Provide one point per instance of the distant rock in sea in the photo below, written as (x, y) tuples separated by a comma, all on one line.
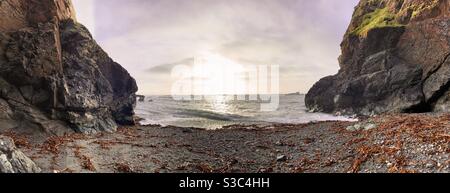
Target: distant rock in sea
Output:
[(53, 75), (295, 93), (141, 98), (395, 58)]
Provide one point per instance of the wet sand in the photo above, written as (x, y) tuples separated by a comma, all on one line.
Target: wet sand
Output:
[(397, 143)]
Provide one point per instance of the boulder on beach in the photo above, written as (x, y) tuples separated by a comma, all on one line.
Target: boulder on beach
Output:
[(13, 160)]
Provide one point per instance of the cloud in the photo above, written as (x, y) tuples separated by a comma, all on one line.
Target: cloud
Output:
[(147, 36), (167, 67)]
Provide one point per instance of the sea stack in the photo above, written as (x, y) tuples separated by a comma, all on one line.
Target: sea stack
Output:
[(54, 76), (395, 58)]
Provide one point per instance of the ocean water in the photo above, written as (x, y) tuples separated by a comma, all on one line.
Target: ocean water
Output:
[(221, 110)]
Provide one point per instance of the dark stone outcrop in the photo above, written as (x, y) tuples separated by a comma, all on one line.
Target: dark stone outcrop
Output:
[(395, 58), (141, 98), (53, 75)]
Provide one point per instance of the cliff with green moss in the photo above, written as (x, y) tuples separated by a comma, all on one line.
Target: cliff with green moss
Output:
[(383, 13), (395, 58)]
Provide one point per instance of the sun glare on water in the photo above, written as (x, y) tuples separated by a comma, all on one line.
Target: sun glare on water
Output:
[(212, 75)]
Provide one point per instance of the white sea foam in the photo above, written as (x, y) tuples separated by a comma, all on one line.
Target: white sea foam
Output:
[(219, 111)]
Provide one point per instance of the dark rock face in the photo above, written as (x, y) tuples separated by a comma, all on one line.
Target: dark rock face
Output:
[(395, 58), (13, 160), (18, 14), (53, 74)]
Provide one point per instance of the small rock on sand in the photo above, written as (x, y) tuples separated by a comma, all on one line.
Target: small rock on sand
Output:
[(281, 158), (279, 143), (362, 126)]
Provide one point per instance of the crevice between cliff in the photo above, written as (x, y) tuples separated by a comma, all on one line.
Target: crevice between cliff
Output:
[(439, 66), (428, 105)]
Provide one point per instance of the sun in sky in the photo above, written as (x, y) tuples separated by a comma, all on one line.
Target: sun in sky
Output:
[(211, 74)]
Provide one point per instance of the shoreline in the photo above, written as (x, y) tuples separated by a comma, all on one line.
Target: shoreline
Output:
[(256, 124), (226, 110), (392, 143)]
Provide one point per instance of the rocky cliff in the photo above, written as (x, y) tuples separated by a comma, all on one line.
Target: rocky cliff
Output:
[(395, 58), (53, 75)]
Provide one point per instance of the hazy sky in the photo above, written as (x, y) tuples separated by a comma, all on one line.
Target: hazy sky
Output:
[(149, 37)]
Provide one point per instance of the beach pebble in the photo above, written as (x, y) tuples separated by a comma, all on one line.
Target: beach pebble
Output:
[(355, 127), (370, 126), (187, 130), (234, 161), (430, 165), (279, 143), (389, 164), (264, 170), (281, 158)]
